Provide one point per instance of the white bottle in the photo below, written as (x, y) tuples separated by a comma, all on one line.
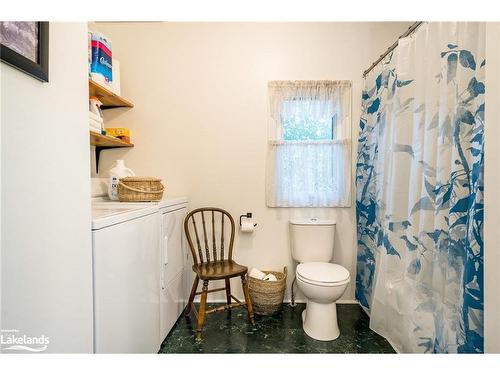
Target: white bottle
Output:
[(115, 173)]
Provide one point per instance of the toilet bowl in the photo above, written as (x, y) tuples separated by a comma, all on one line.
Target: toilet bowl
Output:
[(322, 284)]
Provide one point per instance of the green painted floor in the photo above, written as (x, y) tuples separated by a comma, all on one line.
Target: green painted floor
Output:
[(230, 332)]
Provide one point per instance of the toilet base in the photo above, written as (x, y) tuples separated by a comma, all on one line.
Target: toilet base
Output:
[(320, 321)]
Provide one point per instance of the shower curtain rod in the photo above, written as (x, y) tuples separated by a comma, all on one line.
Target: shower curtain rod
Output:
[(410, 30)]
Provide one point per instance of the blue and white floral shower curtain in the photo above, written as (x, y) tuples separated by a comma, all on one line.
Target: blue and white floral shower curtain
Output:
[(419, 182)]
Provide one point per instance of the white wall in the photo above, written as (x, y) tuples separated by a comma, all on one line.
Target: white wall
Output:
[(492, 187), (46, 239), (201, 105)]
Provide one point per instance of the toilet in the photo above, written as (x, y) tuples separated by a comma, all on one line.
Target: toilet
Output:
[(321, 282)]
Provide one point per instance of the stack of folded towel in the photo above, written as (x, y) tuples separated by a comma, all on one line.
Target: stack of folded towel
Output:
[(95, 123), (257, 274)]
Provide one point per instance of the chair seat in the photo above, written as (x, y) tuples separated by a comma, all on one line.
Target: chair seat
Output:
[(219, 270)]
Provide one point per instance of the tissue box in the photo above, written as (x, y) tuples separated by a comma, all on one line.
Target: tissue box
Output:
[(118, 132), (121, 133)]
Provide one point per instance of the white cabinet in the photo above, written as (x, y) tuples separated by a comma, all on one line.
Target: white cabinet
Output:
[(175, 269)]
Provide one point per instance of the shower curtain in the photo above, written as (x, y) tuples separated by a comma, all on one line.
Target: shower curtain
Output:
[(419, 191)]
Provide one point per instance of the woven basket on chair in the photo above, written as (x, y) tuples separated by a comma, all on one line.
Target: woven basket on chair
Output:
[(140, 189), (267, 296)]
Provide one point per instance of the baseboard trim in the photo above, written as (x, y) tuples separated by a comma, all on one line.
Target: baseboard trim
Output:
[(341, 302), (348, 302)]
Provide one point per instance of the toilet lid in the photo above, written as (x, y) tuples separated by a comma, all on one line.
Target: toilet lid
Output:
[(322, 272)]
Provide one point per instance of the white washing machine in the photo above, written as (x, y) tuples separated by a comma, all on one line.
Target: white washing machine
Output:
[(125, 279)]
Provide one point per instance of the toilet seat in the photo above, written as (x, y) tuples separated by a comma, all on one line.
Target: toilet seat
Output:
[(322, 273)]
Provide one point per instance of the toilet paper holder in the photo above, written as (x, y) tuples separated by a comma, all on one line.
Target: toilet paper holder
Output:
[(248, 215)]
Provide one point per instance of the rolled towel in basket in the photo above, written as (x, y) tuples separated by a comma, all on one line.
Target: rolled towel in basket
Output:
[(270, 277), (257, 274)]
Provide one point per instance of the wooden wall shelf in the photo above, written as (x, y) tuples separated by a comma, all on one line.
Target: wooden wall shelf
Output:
[(105, 142), (108, 98), (100, 140)]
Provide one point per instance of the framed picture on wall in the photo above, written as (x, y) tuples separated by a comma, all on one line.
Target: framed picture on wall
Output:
[(25, 46)]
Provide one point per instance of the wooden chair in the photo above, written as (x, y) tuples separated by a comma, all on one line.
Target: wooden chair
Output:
[(213, 264)]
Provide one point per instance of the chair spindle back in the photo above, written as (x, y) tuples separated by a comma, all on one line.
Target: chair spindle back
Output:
[(215, 233)]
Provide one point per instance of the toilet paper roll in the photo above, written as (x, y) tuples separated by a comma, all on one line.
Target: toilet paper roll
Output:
[(256, 274), (247, 226), (270, 277)]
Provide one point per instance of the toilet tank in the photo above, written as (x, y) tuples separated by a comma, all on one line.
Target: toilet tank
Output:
[(312, 239)]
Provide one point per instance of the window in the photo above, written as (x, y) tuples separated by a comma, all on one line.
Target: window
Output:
[(309, 163), (299, 125)]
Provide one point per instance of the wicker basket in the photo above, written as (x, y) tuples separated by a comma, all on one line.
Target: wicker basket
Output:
[(140, 189), (267, 296)]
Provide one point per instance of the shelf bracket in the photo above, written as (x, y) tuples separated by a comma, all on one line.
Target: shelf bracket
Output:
[(98, 150), (101, 142)]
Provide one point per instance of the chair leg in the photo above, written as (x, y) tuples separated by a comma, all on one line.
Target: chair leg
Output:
[(201, 311), (191, 296), (247, 298), (228, 291)]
